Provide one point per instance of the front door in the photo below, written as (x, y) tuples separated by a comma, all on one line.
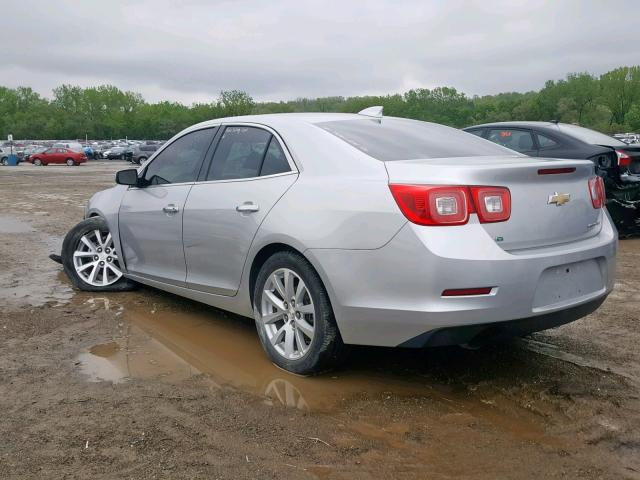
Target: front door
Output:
[(249, 172), (150, 217)]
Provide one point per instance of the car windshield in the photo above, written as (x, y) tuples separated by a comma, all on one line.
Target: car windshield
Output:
[(392, 139), (590, 136)]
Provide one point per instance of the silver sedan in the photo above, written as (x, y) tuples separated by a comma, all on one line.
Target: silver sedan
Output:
[(339, 229)]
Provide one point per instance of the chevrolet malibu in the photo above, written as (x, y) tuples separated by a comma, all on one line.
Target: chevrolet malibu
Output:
[(339, 229)]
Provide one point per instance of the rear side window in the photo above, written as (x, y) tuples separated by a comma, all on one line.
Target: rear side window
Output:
[(401, 139), (518, 140), (274, 160), (180, 162), (546, 142), (239, 153), (477, 131)]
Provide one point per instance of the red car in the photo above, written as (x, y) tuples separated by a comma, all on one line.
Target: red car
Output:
[(58, 155)]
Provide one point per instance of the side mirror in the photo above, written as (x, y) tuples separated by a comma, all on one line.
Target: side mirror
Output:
[(127, 177)]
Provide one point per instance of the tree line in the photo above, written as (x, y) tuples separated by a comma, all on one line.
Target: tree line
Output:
[(609, 103)]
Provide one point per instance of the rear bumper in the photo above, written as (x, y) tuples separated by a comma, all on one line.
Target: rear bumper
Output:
[(392, 296), (478, 334)]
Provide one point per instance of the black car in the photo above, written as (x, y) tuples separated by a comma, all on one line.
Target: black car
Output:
[(118, 153), (615, 161), (141, 153)]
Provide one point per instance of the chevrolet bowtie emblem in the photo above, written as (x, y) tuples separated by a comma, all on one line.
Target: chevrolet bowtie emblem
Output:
[(559, 199)]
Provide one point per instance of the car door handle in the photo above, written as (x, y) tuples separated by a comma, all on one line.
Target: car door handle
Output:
[(247, 207), (171, 208)]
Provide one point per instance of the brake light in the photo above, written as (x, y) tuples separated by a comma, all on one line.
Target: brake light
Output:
[(493, 204), (451, 205), (433, 205), (596, 191), (624, 159)]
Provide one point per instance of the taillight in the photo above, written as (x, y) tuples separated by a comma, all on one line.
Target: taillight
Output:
[(493, 204), (433, 205), (451, 205), (624, 160), (596, 191)]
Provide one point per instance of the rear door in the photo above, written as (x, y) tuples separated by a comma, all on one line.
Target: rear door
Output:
[(519, 139), (150, 216), (247, 175)]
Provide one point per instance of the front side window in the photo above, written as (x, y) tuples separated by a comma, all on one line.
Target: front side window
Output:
[(239, 154), (180, 162), (518, 140)]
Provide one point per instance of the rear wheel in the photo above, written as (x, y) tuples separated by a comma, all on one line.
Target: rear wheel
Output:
[(70, 162), (294, 317), (5, 161), (90, 259), (141, 160)]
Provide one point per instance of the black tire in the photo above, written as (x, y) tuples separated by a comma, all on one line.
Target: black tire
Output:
[(327, 349), (70, 162), (5, 161), (141, 160), (69, 246), (38, 163)]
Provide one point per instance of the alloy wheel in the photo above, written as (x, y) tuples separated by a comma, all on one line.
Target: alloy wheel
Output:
[(288, 314), (70, 162), (96, 260)]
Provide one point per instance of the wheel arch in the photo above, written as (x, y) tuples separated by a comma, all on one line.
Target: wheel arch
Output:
[(272, 248)]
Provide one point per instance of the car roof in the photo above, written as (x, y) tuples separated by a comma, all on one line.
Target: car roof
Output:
[(283, 118)]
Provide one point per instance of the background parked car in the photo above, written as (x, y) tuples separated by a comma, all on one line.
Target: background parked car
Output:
[(142, 152), (118, 153), (31, 150), (58, 155), (616, 162)]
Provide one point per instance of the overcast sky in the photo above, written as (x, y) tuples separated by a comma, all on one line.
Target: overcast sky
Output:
[(282, 49)]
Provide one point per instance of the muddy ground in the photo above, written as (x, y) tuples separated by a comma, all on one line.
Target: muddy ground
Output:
[(148, 385)]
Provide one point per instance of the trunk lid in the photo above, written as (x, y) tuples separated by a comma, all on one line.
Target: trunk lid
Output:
[(534, 222)]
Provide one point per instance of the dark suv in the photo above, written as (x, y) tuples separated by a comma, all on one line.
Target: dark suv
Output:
[(615, 161), (142, 152)]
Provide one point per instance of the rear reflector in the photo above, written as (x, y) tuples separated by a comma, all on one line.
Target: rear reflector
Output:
[(555, 171), (462, 292), (596, 191)]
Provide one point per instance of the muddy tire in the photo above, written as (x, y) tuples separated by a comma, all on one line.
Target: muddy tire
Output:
[(90, 259), (294, 318)]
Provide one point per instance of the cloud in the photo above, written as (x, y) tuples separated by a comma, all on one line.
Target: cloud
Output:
[(188, 51)]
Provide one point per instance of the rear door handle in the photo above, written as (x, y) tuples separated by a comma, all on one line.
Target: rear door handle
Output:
[(171, 208), (247, 207)]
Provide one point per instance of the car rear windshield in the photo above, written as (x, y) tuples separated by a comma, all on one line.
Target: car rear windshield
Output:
[(590, 136), (392, 139)]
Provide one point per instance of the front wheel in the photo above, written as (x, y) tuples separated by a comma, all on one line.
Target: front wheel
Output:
[(294, 317), (37, 162), (70, 162), (5, 161), (91, 260)]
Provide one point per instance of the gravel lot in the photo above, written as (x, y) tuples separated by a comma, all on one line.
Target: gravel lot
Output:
[(148, 385)]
